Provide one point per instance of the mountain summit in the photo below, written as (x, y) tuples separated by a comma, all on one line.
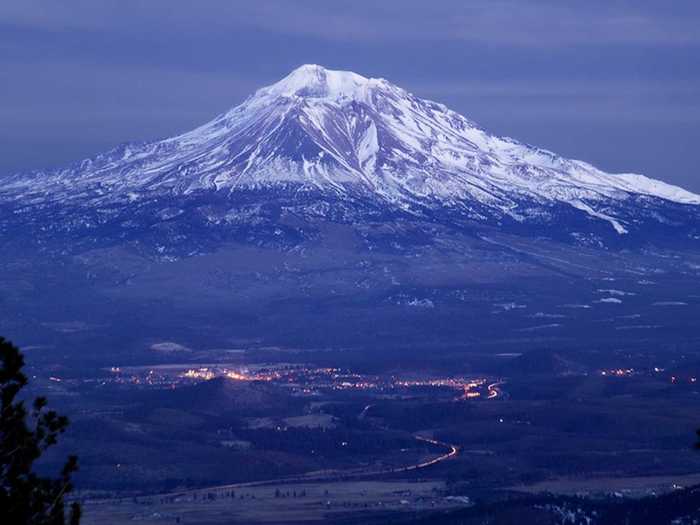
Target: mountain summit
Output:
[(336, 136), (313, 81)]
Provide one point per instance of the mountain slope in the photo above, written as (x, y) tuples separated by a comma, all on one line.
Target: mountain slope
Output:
[(335, 140)]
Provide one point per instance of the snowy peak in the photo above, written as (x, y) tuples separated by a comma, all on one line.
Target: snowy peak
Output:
[(313, 81), (356, 138)]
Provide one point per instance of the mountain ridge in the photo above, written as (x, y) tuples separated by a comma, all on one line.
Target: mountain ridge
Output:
[(349, 138)]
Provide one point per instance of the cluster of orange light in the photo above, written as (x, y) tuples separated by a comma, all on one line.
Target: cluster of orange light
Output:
[(201, 373), (450, 382), (232, 374), (618, 372), (361, 385)]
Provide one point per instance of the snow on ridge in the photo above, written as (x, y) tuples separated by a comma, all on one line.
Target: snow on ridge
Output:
[(642, 184)]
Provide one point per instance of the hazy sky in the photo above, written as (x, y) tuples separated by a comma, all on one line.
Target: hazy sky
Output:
[(615, 83)]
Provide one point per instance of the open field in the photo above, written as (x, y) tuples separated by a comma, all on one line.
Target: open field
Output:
[(299, 503), (624, 485)]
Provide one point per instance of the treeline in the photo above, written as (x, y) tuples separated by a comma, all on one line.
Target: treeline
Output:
[(678, 507), (413, 417)]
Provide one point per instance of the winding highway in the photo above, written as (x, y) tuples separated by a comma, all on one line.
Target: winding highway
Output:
[(451, 451), (330, 476)]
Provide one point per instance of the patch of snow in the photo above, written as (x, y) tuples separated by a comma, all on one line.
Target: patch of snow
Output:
[(421, 303), (540, 327), (615, 292), (510, 306), (619, 228), (169, 347)]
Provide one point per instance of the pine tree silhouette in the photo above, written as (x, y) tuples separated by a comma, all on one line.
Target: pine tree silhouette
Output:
[(25, 434)]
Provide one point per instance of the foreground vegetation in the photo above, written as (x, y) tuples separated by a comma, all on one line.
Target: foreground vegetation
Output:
[(27, 498)]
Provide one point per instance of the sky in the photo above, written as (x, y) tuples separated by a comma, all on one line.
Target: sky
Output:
[(614, 83)]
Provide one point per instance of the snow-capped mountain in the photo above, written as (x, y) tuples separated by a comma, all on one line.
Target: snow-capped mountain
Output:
[(326, 141), (333, 210)]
